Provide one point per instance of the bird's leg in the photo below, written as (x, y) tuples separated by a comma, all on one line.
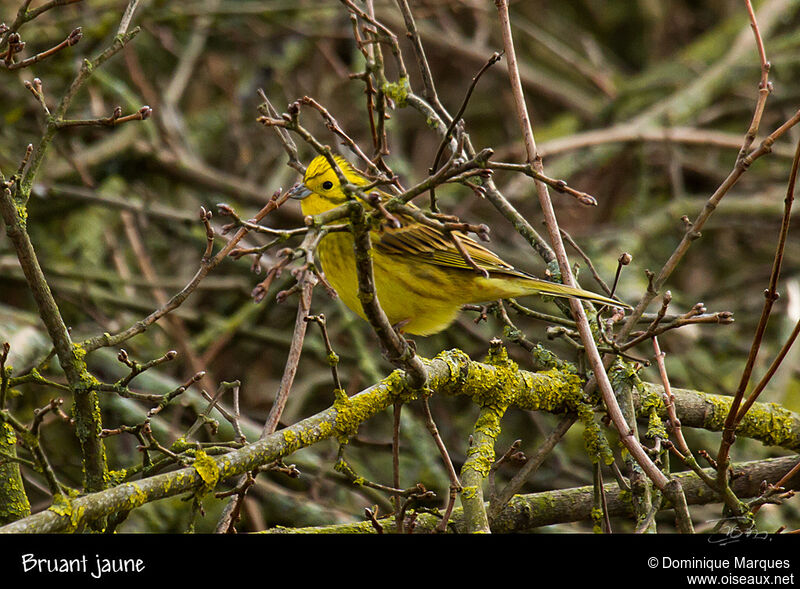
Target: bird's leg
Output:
[(398, 327)]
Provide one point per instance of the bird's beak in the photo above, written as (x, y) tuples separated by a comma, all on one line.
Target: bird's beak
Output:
[(299, 191)]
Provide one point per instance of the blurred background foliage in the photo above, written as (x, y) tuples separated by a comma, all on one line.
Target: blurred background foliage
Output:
[(115, 212)]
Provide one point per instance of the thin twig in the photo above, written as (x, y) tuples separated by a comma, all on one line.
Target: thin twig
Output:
[(333, 357), (422, 61), (531, 466), (601, 377), (127, 17), (277, 199), (583, 198), (770, 296), (764, 85), (397, 349), (693, 231), (669, 400), (72, 39), (445, 139), (307, 281), (455, 484)]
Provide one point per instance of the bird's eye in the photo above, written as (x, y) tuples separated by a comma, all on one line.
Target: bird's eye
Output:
[(327, 185)]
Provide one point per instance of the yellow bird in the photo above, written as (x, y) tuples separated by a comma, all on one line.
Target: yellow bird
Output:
[(421, 279)]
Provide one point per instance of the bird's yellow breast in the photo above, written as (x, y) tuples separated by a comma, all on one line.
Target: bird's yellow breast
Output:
[(415, 297)]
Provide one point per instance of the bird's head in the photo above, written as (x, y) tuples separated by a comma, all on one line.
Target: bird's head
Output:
[(321, 189)]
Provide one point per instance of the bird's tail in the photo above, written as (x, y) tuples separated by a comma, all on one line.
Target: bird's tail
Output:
[(554, 289)]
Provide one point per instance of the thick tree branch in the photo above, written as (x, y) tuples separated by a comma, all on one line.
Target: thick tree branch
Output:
[(450, 373)]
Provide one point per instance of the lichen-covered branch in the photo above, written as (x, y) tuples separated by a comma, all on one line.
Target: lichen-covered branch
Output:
[(87, 410), (480, 457), (525, 513), (14, 502), (449, 373), (768, 423)]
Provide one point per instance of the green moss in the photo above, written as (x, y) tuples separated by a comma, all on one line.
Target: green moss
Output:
[(14, 502), (652, 405), (398, 91)]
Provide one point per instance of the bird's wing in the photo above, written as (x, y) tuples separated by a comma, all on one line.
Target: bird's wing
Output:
[(429, 245)]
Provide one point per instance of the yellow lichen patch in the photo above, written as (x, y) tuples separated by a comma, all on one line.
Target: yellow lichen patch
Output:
[(344, 468), (597, 520), (718, 410), (63, 507), (771, 424), (397, 91), (652, 405), (321, 431), (469, 492), (207, 468), (291, 440), (551, 390), (14, 502), (595, 442), (481, 454), (136, 497), (181, 445), (351, 412)]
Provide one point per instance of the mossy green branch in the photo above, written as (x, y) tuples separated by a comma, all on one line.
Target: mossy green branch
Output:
[(481, 453), (88, 424), (768, 423), (525, 513), (14, 502), (450, 373), (70, 356), (480, 457)]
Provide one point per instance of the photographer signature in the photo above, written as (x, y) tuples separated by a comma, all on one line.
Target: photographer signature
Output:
[(730, 530)]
